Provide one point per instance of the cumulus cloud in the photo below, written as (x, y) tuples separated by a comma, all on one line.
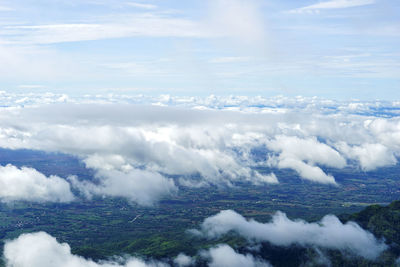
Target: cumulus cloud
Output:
[(306, 171), (262, 179), (328, 233), (370, 156), (386, 131), (308, 149), (225, 256), (158, 140), (302, 154), (30, 185), (183, 260), (202, 141), (42, 250), (140, 186)]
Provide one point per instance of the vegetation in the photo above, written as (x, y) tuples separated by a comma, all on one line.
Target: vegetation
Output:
[(103, 227)]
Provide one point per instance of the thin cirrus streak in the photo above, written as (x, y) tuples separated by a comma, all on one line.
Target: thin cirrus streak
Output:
[(334, 4)]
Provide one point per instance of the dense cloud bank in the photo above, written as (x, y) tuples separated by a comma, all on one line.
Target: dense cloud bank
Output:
[(244, 103), (42, 250), (30, 185), (134, 150), (327, 233)]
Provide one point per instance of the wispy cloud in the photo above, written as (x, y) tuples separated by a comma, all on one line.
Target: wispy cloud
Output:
[(136, 25), (5, 8), (141, 5), (274, 51), (229, 59), (239, 19), (30, 86), (334, 4)]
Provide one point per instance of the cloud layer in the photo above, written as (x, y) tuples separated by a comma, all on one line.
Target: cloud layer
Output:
[(328, 233), (136, 149)]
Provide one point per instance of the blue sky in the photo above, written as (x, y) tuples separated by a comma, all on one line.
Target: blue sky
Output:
[(337, 49)]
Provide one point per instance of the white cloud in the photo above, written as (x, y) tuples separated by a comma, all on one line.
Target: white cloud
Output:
[(386, 131), (261, 179), (42, 250), (370, 156), (135, 25), (295, 152), (30, 185), (306, 171), (225, 256), (30, 86), (334, 4), (141, 5), (309, 149), (25, 63), (183, 260), (237, 19), (140, 186), (240, 19), (5, 8), (329, 232), (142, 145), (223, 60), (170, 148)]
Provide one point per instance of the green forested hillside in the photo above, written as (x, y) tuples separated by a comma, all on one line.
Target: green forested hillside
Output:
[(101, 227), (383, 221)]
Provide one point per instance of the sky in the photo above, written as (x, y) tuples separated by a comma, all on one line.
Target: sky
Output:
[(216, 80), (336, 49)]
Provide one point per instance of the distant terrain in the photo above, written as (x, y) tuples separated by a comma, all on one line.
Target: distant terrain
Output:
[(101, 227)]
